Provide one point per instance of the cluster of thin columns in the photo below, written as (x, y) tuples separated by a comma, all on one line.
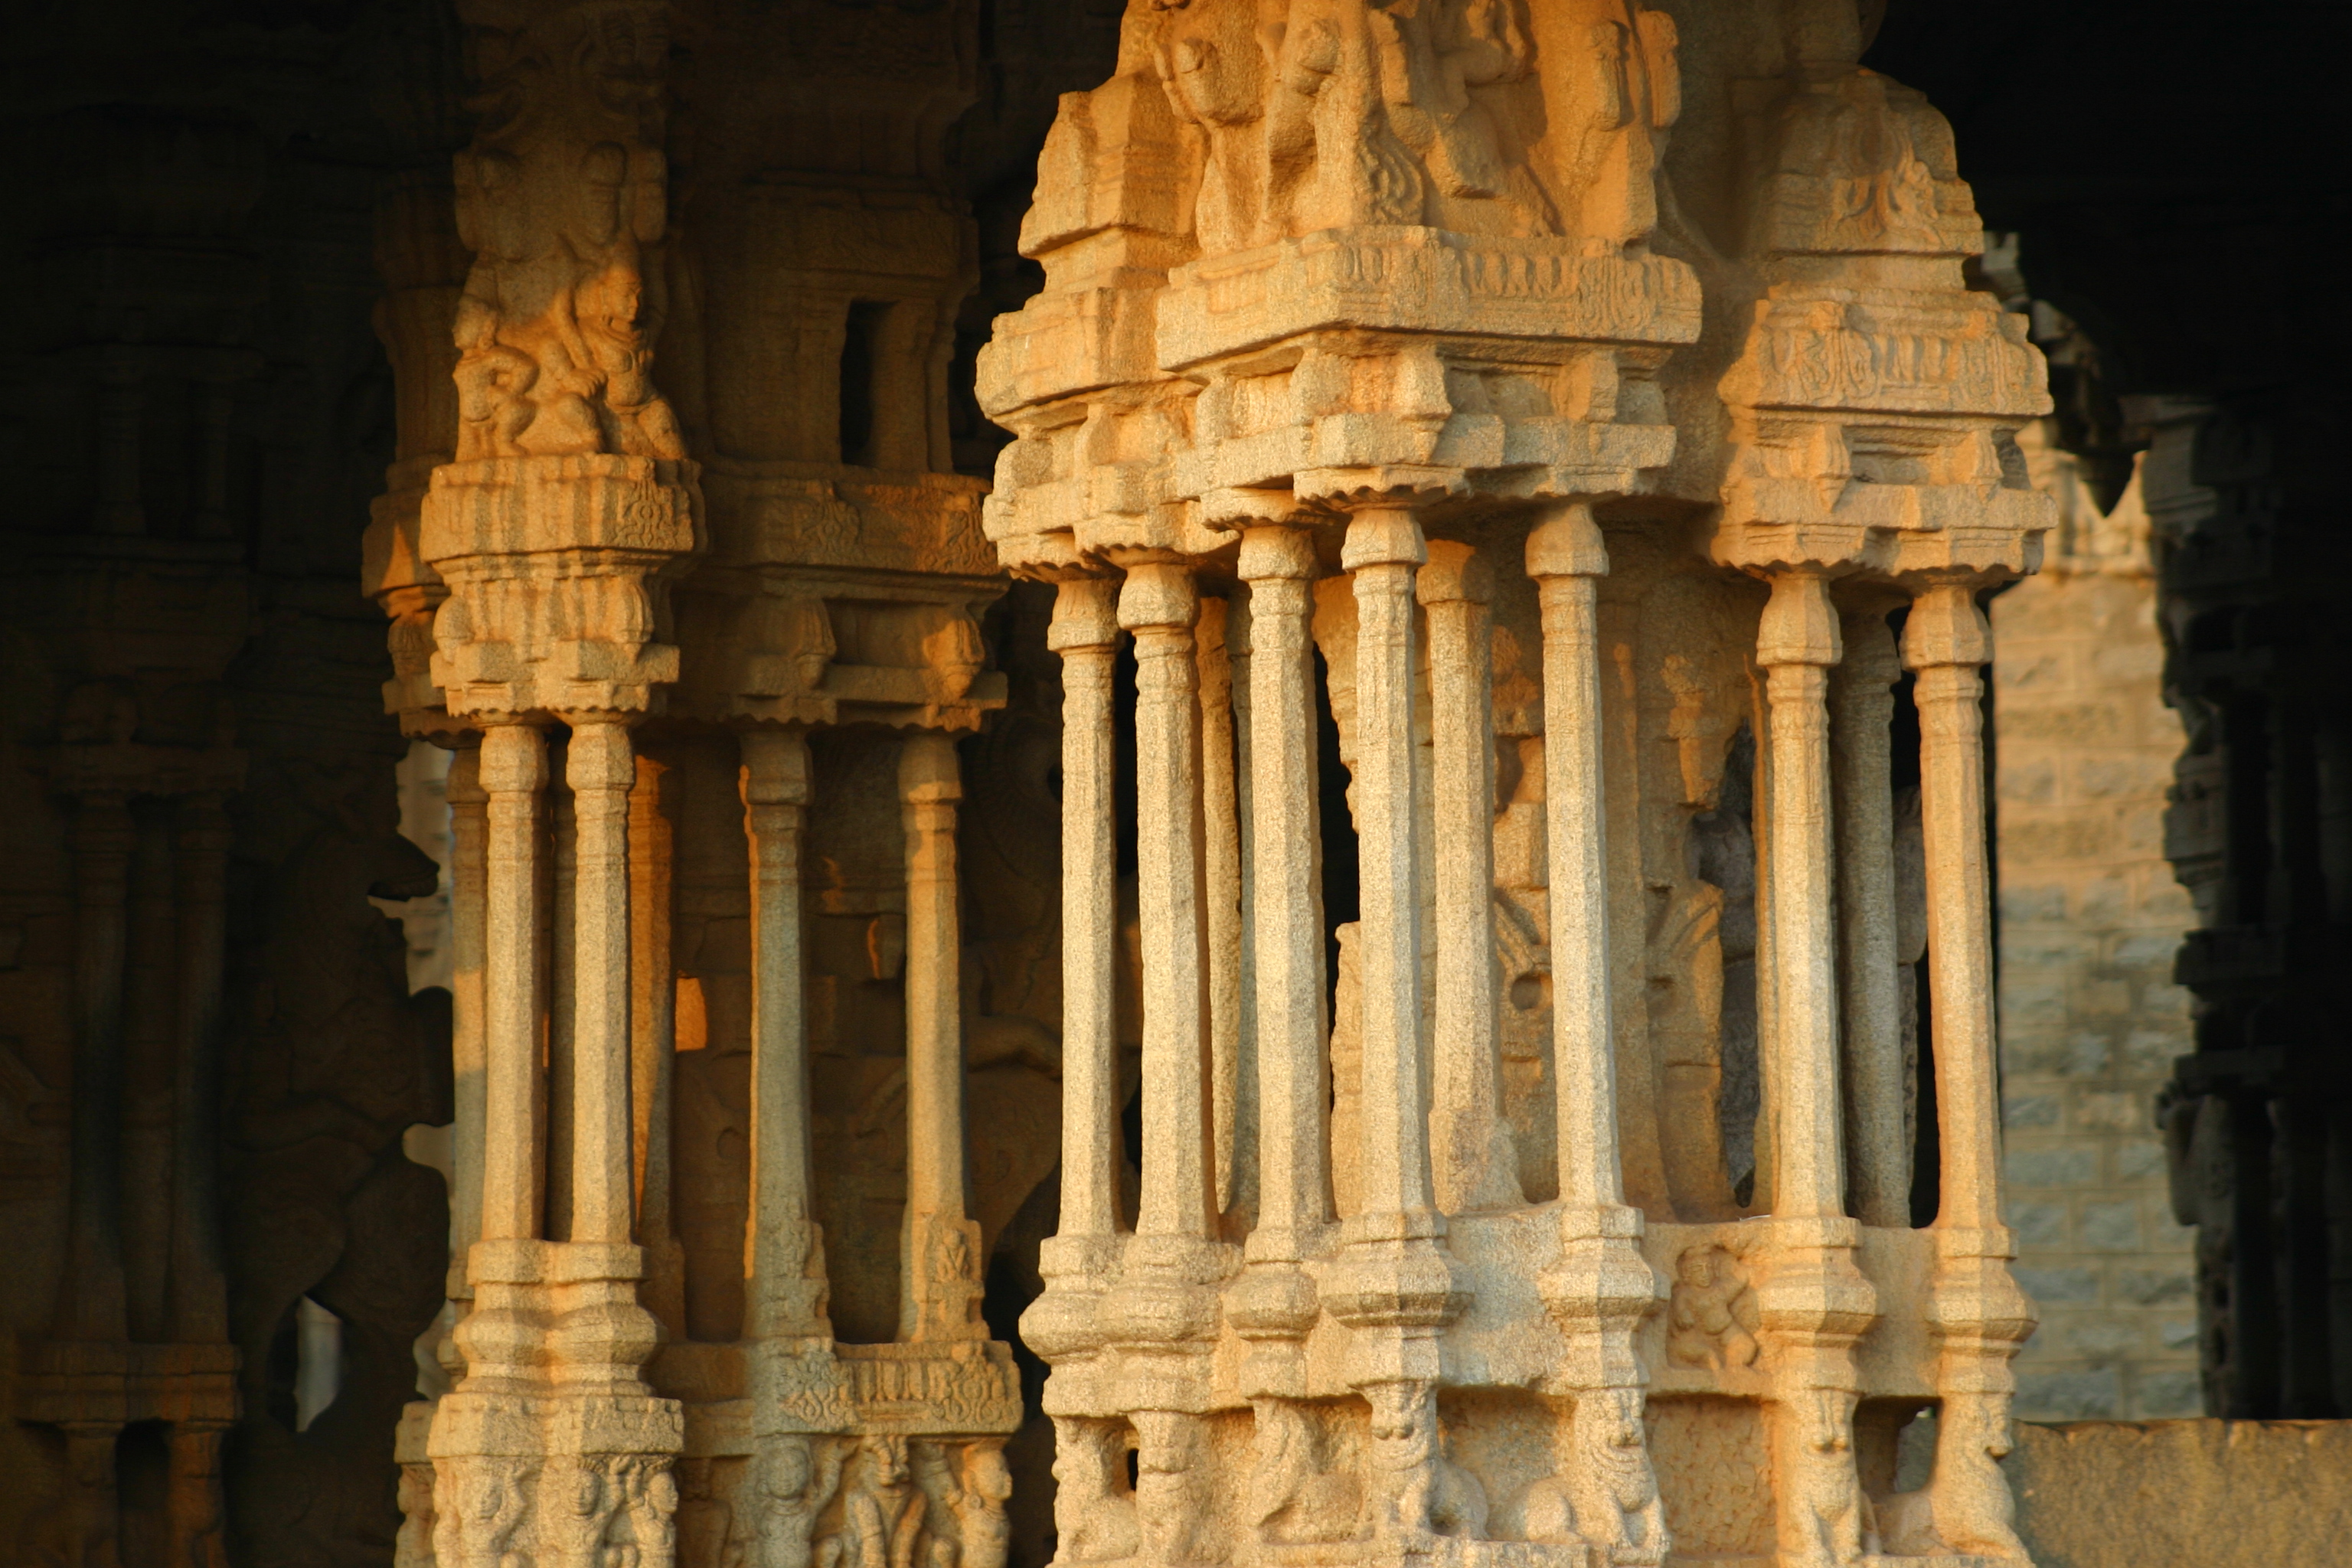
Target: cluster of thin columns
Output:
[(561, 1059), (1431, 1135)]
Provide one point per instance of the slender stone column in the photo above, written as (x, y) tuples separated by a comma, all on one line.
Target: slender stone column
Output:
[(787, 1284), (1814, 1302), (1084, 632), (1978, 1314), (1287, 897), (1272, 1304), (1163, 1314), (1159, 605), (1076, 1263), (653, 1042), (1475, 1162), (1396, 1290), (513, 768), (1878, 1160), (1797, 645), (1221, 888), (1384, 549), (558, 952), (468, 937), (198, 1291), (940, 1261), (1241, 1202), (1602, 1288), (601, 767)]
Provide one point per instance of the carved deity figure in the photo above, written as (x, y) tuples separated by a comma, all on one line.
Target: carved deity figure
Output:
[(1094, 1507), (561, 198), (882, 1512), (1714, 1315), (479, 1506), (1171, 1490), (966, 1485), (791, 1480)]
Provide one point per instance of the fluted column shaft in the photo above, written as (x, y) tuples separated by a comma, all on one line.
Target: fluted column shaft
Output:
[(1159, 605), (940, 1275), (1084, 632), (1474, 1160), (601, 767), (1221, 886), (781, 1250), (1878, 1158), (513, 770)]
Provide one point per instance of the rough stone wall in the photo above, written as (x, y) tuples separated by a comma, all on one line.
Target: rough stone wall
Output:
[(2090, 917)]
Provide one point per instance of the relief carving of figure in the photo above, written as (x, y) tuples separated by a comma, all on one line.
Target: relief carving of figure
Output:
[(480, 1508), (793, 1480), (1417, 1491), (1094, 1507), (882, 1512), (560, 199), (1712, 1318), (966, 1485), (1296, 1495), (1173, 1495), (1623, 1511), (1815, 1467)]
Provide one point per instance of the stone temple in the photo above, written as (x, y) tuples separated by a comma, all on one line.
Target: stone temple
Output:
[(1214, 780)]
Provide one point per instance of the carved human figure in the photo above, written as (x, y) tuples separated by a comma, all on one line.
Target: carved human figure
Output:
[(479, 1507), (1094, 1507), (793, 1477), (559, 198), (1172, 1485), (1712, 1315), (966, 1485), (882, 1513)]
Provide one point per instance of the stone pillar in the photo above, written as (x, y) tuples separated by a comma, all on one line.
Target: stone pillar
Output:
[(1079, 1258), (1474, 1160), (1602, 1287), (1977, 1313), (1877, 1077), (90, 1304), (512, 769), (785, 1249), (469, 998), (1221, 851), (1272, 1304), (1814, 1302), (1394, 1287), (653, 1042), (601, 767), (940, 1263), (1163, 1315), (198, 1290)]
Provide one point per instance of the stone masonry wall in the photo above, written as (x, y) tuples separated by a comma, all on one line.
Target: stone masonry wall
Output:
[(2090, 917)]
